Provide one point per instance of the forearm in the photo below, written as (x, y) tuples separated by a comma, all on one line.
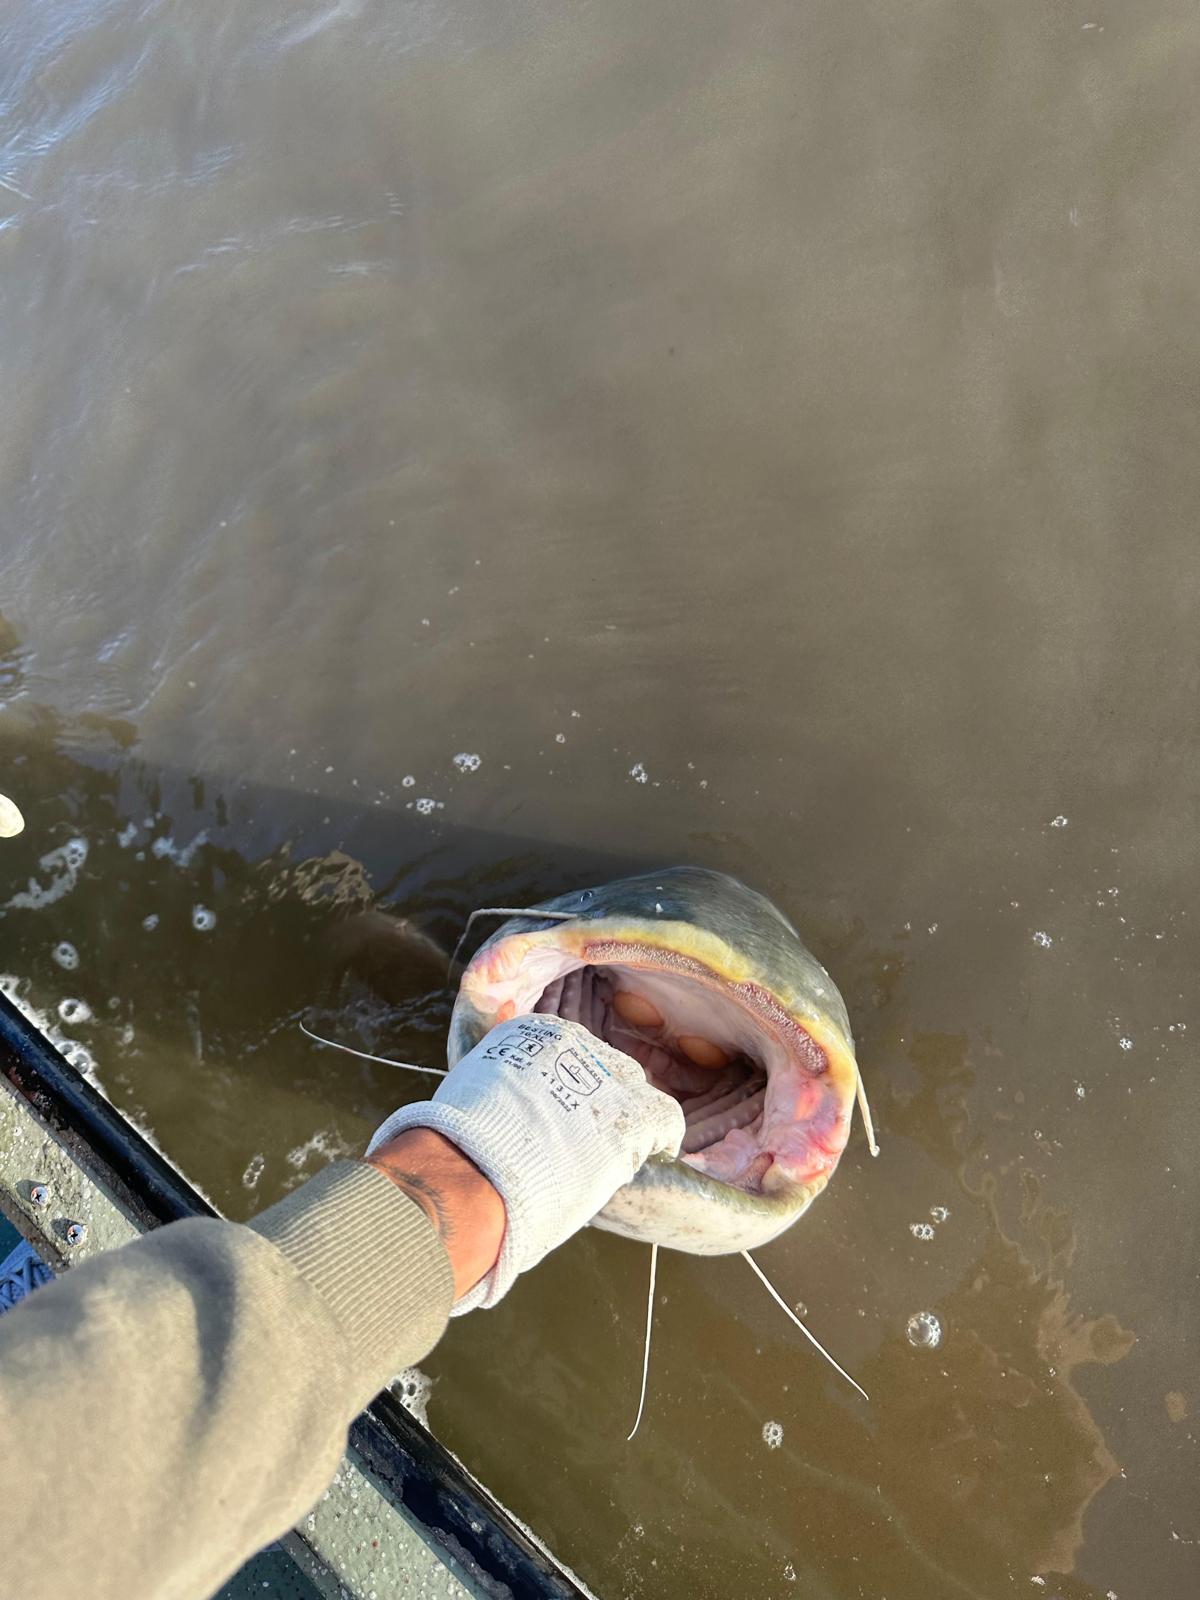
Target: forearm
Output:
[(187, 1397), (467, 1213)]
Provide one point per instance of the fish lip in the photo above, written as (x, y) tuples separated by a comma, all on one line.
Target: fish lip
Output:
[(816, 1041)]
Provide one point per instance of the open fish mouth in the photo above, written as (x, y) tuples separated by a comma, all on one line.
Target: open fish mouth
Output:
[(707, 986), (721, 1054)]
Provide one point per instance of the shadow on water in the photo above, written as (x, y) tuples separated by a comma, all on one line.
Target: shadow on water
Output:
[(206, 918)]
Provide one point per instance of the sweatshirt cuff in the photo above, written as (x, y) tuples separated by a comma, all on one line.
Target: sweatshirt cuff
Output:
[(376, 1261)]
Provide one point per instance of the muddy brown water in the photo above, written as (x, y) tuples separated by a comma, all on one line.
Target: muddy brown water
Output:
[(765, 436)]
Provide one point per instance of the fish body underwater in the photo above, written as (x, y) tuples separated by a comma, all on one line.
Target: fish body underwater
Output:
[(708, 986)]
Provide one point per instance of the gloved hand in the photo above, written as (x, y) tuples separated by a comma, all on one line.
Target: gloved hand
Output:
[(557, 1121)]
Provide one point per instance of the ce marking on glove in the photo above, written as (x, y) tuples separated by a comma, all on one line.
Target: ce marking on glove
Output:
[(516, 1053)]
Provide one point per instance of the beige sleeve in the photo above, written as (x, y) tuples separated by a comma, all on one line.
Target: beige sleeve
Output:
[(169, 1407)]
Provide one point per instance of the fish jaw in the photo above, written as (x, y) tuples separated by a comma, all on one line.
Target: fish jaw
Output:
[(736, 1195), (671, 1204)]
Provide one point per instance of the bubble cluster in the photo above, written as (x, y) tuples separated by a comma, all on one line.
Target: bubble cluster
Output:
[(772, 1435), (254, 1171), (412, 1388), (64, 866), (921, 1230), (638, 773), (468, 763), (1043, 939), (924, 1331), (66, 955), (79, 1056), (74, 854)]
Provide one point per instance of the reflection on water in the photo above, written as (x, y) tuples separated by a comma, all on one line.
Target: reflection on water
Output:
[(451, 454)]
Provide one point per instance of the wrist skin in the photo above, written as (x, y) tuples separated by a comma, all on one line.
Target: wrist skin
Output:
[(464, 1208)]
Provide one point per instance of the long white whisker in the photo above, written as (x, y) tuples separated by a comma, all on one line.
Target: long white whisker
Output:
[(649, 1329), (506, 911), (407, 1066), (778, 1298), (864, 1110)]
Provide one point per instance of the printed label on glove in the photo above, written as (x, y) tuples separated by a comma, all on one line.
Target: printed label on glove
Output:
[(518, 1051), (572, 1075)]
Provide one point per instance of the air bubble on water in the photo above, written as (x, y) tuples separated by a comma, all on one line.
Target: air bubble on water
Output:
[(772, 1435), (127, 1034), (1080, 1092), (1058, 822), (408, 781), (638, 773), (465, 762), (328, 1144), (1125, 1043), (920, 1230), (203, 920), (66, 955), (150, 922), (412, 1388), (789, 1572), (80, 1057), (939, 1213), (560, 738), (1043, 939), (164, 848), (924, 1331), (254, 1171), (71, 1011), (127, 835), (64, 866)]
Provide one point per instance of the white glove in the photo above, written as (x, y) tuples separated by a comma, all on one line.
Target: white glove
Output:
[(557, 1121)]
